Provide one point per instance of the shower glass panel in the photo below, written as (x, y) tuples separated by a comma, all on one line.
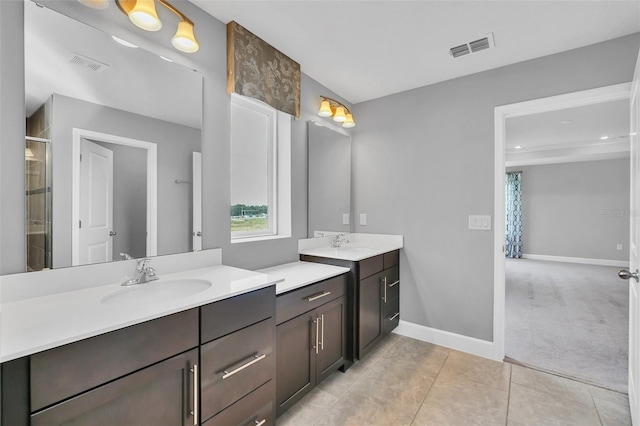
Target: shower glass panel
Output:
[(38, 203)]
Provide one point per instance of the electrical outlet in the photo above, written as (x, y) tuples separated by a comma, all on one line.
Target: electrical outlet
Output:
[(345, 218), (363, 219), (619, 247)]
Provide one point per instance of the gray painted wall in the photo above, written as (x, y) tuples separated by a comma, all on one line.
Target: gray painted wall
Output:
[(175, 145), (424, 161), (210, 60), (129, 199), (576, 209)]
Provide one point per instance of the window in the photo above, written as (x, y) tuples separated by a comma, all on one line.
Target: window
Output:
[(260, 171)]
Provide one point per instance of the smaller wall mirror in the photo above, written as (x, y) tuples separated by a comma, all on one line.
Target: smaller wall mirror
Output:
[(329, 183)]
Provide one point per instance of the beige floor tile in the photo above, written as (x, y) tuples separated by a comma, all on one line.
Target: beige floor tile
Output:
[(309, 409), (356, 409), (608, 395), (424, 356), (460, 365), (551, 384), (529, 406), (463, 402), (612, 414), (339, 383)]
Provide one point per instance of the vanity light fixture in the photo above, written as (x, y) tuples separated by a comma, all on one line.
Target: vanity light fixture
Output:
[(340, 113), (143, 14)]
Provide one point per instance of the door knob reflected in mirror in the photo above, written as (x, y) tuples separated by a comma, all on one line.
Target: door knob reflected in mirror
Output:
[(112, 233), (625, 275), (197, 234)]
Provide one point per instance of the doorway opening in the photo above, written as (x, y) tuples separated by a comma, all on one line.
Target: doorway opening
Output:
[(534, 275), (91, 243)]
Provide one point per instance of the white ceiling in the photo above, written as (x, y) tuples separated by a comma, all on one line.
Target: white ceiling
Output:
[(135, 80), (364, 50)]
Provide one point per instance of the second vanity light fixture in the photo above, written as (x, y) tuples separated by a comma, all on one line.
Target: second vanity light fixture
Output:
[(143, 14), (340, 113)]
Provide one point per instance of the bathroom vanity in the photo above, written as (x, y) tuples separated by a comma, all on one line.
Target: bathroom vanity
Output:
[(202, 358), (373, 286)]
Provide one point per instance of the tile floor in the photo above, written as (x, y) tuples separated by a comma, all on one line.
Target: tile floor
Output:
[(409, 382)]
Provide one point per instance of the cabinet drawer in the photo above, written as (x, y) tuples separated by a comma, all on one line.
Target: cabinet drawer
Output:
[(297, 302), (391, 259), (226, 316), (62, 372), (391, 315), (235, 365), (371, 266), (392, 278), (256, 408)]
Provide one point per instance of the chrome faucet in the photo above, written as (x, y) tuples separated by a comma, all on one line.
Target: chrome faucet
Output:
[(338, 240), (143, 273)]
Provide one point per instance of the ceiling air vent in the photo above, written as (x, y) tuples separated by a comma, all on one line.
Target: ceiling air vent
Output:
[(483, 43), (86, 62)]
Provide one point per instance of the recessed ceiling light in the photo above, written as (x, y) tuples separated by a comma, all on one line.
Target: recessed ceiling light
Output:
[(604, 138), (166, 59), (123, 42), (566, 122), (518, 147)]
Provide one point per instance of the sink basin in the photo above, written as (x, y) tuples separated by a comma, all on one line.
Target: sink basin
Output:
[(156, 291)]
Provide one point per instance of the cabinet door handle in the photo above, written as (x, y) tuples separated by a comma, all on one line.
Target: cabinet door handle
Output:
[(393, 284), (395, 316), (322, 332), (256, 358), (384, 282), (194, 370), (260, 423), (317, 323), (318, 296)]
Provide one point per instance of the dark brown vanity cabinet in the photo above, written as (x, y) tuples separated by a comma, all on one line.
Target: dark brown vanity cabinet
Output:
[(212, 365), (310, 337), (373, 300)]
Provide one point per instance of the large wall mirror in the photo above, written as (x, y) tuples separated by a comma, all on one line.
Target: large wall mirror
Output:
[(329, 186), (113, 138)]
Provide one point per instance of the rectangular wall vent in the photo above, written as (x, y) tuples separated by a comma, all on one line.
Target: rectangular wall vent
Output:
[(86, 62), (483, 43)]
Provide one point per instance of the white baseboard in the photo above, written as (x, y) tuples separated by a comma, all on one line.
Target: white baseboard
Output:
[(583, 260), (447, 339)]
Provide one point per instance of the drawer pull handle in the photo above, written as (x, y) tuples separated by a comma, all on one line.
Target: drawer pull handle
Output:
[(318, 296), (317, 345), (393, 284), (255, 359), (322, 332), (260, 423), (194, 370), (395, 316)]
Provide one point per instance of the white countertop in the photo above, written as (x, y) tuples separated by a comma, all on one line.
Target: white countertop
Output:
[(299, 274), (359, 247), (35, 324)]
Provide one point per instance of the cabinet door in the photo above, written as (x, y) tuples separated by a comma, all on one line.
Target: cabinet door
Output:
[(333, 338), (370, 313), (295, 360), (158, 395)]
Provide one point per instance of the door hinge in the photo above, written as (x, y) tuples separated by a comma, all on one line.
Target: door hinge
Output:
[(79, 224), (80, 157)]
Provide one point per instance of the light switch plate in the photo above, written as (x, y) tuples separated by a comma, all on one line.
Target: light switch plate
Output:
[(345, 218), (363, 219), (480, 222)]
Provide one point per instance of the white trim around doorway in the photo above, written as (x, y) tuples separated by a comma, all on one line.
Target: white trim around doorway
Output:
[(152, 186), (501, 113)]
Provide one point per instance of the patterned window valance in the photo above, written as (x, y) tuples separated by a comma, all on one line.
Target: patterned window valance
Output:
[(258, 70)]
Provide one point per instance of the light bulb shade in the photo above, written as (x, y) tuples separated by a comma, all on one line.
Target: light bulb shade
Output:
[(348, 122), (95, 4), (28, 152), (144, 15), (185, 40), (339, 116), (325, 109)]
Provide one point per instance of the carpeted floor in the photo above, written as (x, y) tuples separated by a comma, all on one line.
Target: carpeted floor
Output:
[(568, 319)]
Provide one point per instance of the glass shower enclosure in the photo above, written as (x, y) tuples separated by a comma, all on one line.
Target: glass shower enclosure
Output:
[(38, 203)]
